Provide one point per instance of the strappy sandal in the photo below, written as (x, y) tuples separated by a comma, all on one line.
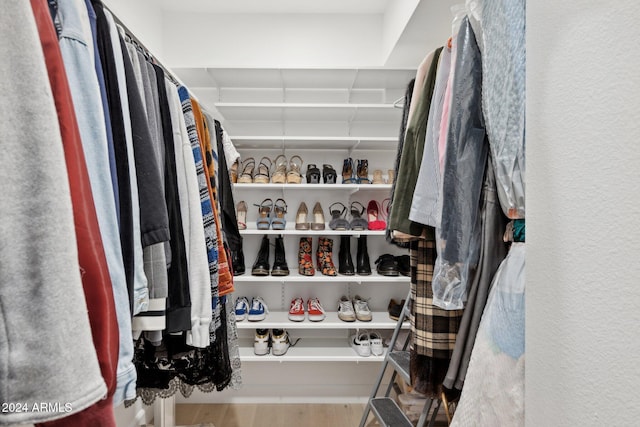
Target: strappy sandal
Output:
[(329, 174), (233, 171), (264, 171), (246, 177), (280, 174), (264, 214), (363, 172), (338, 222), (313, 174), (358, 223), (278, 221), (241, 210), (294, 176), (377, 177), (347, 171)]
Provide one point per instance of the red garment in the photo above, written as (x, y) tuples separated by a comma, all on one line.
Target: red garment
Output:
[(96, 281)]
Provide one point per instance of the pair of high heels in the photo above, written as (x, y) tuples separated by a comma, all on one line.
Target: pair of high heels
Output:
[(359, 176), (270, 215), (339, 219), (318, 218), (329, 174), (287, 171)]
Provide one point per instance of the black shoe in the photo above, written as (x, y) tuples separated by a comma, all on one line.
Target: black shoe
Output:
[(280, 267), (313, 174), (345, 263), (261, 266), (404, 266), (386, 265), (363, 267), (329, 174), (237, 262), (395, 309)]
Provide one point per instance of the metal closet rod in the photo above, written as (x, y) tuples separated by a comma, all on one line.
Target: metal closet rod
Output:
[(147, 52)]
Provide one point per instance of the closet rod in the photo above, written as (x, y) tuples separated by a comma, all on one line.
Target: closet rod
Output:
[(137, 41)]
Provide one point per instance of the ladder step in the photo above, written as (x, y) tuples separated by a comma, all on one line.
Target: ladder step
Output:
[(388, 413), (400, 362)]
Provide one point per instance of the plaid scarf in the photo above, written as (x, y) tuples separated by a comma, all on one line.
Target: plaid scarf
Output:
[(434, 330)]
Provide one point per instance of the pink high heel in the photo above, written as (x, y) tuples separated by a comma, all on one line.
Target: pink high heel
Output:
[(374, 215)]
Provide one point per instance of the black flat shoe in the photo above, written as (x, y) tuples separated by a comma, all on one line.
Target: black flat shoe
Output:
[(329, 174), (386, 265)]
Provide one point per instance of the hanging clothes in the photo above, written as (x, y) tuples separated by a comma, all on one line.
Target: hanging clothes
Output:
[(465, 164), (88, 108), (412, 156), (403, 128), (46, 338), (433, 330)]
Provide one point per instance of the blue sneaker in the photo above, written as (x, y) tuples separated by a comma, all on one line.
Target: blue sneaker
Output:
[(242, 308), (258, 310)]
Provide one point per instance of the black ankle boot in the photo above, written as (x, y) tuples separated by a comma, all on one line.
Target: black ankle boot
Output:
[(237, 261), (280, 261), (362, 257), (261, 266), (345, 263)]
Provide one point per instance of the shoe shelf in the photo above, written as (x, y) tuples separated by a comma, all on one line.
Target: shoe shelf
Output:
[(307, 187), (290, 230), (280, 320), (296, 277), (291, 142), (310, 350)]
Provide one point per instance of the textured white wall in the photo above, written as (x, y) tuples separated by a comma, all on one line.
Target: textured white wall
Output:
[(583, 213)]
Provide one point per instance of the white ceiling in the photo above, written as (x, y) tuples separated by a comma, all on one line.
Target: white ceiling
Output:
[(278, 6)]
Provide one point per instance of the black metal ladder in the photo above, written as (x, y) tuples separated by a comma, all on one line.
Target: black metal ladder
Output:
[(384, 408)]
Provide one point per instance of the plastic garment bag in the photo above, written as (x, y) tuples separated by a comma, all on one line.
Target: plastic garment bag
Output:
[(493, 393), (464, 166)]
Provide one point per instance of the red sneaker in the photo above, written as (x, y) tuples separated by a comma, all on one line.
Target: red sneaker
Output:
[(315, 310), (296, 310)]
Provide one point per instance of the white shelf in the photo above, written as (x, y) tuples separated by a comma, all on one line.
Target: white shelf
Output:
[(298, 111), (290, 230), (287, 142), (300, 105), (295, 277), (310, 349), (280, 320), (306, 187)]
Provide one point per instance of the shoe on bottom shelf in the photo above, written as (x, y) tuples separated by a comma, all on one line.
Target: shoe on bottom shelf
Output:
[(261, 342), (258, 310), (345, 310), (315, 310), (242, 308), (361, 344), (375, 341), (279, 342)]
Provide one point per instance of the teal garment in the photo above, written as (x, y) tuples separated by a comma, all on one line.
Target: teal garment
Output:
[(518, 230), (407, 174)]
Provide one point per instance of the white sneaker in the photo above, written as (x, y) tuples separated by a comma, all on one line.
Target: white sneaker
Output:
[(375, 340), (315, 312), (261, 342), (345, 310), (361, 307), (242, 308), (258, 310), (360, 343), (279, 342)]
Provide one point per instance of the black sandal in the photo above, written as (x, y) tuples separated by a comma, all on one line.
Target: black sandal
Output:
[(358, 223), (338, 221), (313, 174), (329, 174)]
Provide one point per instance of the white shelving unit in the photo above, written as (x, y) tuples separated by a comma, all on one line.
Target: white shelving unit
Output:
[(275, 319), (294, 277)]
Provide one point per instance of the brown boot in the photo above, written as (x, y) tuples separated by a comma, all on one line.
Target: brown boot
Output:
[(305, 261), (324, 253)]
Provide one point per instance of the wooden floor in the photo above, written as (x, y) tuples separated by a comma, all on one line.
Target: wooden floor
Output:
[(272, 415)]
